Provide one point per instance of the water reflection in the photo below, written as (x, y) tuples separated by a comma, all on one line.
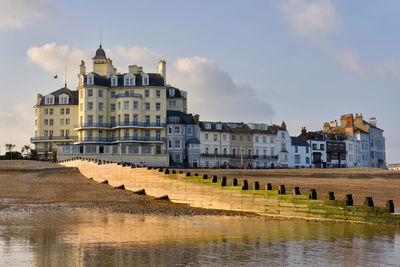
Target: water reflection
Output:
[(77, 237)]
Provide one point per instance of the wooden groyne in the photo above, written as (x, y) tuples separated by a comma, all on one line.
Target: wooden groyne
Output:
[(210, 191)]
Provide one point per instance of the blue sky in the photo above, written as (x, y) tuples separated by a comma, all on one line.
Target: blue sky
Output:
[(301, 61)]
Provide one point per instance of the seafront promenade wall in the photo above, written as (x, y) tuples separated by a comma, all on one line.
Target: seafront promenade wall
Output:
[(219, 193)]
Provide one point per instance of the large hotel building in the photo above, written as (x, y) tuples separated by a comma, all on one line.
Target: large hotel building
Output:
[(111, 116)]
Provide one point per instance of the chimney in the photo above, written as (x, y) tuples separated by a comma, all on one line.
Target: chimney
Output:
[(303, 131), (372, 120), (140, 69), (82, 68), (133, 69), (283, 126), (327, 127), (196, 119), (162, 69)]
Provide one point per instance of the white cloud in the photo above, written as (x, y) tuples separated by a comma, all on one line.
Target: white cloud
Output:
[(212, 92), (18, 13), (311, 19), (349, 61), (53, 59)]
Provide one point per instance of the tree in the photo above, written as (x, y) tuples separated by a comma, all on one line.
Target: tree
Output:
[(33, 155), (9, 148), (26, 150)]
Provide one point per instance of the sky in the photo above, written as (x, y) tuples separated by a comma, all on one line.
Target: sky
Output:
[(304, 62)]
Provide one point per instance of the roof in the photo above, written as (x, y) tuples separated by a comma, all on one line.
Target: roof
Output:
[(299, 141), (73, 100), (193, 141), (100, 53), (224, 126), (155, 79), (371, 125), (173, 92), (183, 117)]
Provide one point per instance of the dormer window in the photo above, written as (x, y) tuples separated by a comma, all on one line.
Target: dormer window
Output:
[(129, 80), (171, 92), (90, 79), (49, 100), (114, 81), (145, 79), (208, 126), (218, 126), (232, 125), (64, 99)]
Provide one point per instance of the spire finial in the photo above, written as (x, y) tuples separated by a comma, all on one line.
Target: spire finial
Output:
[(65, 76), (100, 38)]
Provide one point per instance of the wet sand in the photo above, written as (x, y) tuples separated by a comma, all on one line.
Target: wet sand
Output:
[(23, 183)]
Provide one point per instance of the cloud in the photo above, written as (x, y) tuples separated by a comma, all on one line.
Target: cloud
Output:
[(311, 19), (18, 13), (213, 93), (349, 61), (53, 59)]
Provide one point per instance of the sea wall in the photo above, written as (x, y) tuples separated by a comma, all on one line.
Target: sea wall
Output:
[(220, 193)]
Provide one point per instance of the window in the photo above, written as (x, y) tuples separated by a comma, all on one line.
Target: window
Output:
[(224, 137), (256, 139), (314, 146), (135, 134), (206, 136), (101, 119), (322, 146), (51, 133), (307, 149), (112, 107), (171, 92), (46, 133), (46, 122), (307, 160), (145, 79), (126, 133), (135, 105), (233, 137), (90, 105), (169, 129), (67, 111), (49, 100), (177, 129), (215, 137), (147, 133), (90, 92), (51, 111), (283, 135), (90, 119), (126, 105), (272, 140), (112, 120), (112, 94), (126, 119), (264, 139), (296, 149), (61, 132), (67, 133), (100, 93), (147, 119), (158, 149), (114, 81), (218, 126), (51, 122), (249, 152), (241, 138), (296, 159), (129, 79), (46, 111), (189, 131), (225, 151), (169, 144), (147, 106), (177, 143), (158, 135), (67, 121), (64, 99), (146, 93), (158, 120), (172, 103), (158, 93), (61, 121), (158, 106), (126, 93), (216, 150), (101, 106), (90, 79), (146, 149), (207, 126), (62, 111), (233, 151), (206, 151), (135, 119)]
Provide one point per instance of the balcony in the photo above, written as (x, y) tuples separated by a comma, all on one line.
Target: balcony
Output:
[(130, 139), (53, 138), (117, 125)]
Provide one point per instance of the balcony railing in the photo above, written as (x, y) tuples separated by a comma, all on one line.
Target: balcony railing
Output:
[(53, 138), (121, 125), (239, 156), (122, 139)]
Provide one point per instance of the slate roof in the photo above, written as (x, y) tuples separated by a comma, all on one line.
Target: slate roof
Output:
[(155, 79), (183, 117), (177, 93), (224, 127), (100, 53), (299, 141), (73, 97)]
